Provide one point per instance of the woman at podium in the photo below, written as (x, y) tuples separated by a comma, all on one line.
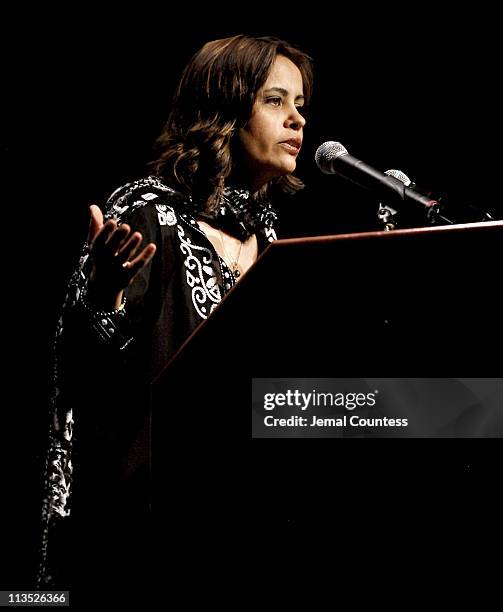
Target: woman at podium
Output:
[(160, 255)]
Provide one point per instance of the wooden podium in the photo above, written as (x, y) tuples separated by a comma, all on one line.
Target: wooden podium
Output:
[(411, 303), (416, 302)]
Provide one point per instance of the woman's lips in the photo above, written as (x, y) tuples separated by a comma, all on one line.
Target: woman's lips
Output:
[(292, 146)]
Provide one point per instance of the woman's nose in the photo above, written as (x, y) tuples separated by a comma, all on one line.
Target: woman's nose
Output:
[(295, 121)]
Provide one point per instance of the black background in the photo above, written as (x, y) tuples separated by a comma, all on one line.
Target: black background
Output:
[(85, 94)]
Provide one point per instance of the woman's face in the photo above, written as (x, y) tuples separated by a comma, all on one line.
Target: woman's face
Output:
[(271, 140)]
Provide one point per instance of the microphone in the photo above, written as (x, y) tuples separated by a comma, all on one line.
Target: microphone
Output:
[(333, 158)]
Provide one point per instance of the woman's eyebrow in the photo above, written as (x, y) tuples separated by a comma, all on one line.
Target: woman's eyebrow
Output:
[(283, 92)]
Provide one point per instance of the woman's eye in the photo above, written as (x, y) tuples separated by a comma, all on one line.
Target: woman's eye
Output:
[(274, 101)]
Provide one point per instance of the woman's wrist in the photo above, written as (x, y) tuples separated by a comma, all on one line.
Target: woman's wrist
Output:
[(95, 304), (95, 300), (106, 324)]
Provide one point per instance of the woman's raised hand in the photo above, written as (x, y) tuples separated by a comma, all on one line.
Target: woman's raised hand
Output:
[(113, 250)]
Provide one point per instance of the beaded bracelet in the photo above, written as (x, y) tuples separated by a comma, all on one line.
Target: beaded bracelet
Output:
[(105, 323), (95, 312)]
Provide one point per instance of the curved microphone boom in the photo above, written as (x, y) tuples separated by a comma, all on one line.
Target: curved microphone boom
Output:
[(333, 158)]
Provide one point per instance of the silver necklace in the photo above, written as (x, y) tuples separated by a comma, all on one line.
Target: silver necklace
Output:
[(233, 264)]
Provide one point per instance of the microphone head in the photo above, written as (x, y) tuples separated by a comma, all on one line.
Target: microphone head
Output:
[(327, 153), (398, 174)]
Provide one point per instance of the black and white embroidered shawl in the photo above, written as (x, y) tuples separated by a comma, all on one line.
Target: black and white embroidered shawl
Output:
[(180, 288)]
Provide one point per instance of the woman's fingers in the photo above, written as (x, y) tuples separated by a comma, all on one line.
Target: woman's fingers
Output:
[(95, 223), (109, 241), (101, 238), (129, 248), (134, 266), (114, 250), (117, 239)]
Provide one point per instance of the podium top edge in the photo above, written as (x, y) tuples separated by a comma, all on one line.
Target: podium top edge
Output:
[(437, 229)]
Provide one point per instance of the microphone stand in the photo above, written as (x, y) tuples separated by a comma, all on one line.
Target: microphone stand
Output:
[(435, 215), (387, 216)]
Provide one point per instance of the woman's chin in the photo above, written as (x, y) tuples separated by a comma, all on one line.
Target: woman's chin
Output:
[(274, 173), (287, 168)]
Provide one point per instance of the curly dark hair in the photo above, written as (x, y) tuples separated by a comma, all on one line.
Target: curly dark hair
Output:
[(213, 101)]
